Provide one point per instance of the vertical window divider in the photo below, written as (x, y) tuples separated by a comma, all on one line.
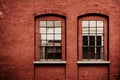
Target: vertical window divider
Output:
[(96, 42), (88, 40), (46, 54), (54, 39)]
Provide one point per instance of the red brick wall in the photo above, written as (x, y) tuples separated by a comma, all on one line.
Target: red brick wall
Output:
[(17, 39)]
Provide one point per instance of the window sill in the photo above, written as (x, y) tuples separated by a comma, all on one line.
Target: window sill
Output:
[(93, 62), (49, 62)]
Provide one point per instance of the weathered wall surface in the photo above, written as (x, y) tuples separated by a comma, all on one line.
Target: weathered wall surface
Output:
[(17, 39)]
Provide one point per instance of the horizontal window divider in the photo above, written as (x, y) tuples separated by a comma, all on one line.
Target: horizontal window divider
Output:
[(93, 62), (49, 62)]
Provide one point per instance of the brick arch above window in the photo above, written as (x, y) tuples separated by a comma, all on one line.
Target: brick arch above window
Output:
[(93, 14)]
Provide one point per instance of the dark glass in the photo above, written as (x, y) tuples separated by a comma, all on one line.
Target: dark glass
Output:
[(98, 43), (58, 55), (85, 40), (85, 53), (98, 52), (92, 40)]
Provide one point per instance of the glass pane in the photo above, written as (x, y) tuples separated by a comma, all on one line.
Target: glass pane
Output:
[(42, 52), (50, 37), (85, 40), (85, 43), (99, 52), (85, 53), (99, 23), (59, 49), (57, 23), (50, 43), (42, 30), (99, 43), (42, 36), (57, 36), (92, 52), (42, 23), (84, 23), (91, 38), (57, 30), (84, 30), (50, 30), (99, 30), (51, 50), (92, 49), (99, 38), (49, 23), (58, 55), (92, 30), (43, 43), (92, 23)]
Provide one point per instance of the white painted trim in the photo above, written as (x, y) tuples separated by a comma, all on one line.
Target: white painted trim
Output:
[(93, 62), (49, 62)]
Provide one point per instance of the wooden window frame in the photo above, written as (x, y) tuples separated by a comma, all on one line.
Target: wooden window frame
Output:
[(49, 18), (105, 31)]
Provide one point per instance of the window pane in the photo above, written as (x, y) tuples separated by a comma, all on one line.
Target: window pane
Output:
[(91, 38), (59, 49), (85, 53), (57, 23), (49, 23), (85, 40), (42, 51), (58, 55), (92, 23), (99, 43), (57, 36), (42, 23), (57, 30), (50, 49), (50, 36), (84, 23), (99, 23), (84, 30), (42, 30), (50, 30), (43, 43), (92, 30), (92, 52), (42, 36), (98, 38), (99, 52), (92, 49), (99, 30)]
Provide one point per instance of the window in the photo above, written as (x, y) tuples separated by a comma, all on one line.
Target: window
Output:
[(51, 38), (92, 39)]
